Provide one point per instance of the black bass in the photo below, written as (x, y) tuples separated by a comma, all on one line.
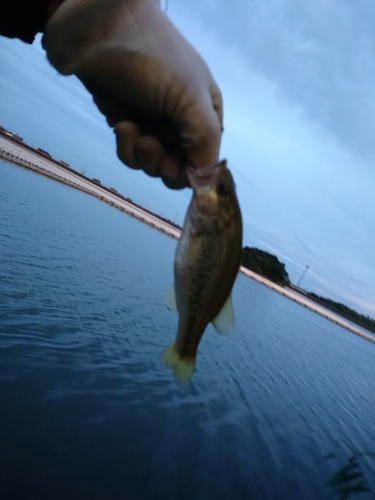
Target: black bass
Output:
[(207, 261)]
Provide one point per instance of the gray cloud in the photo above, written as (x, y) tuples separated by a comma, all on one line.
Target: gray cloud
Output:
[(321, 54), (298, 130)]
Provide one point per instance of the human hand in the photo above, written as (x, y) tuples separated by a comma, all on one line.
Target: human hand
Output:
[(149, 82)]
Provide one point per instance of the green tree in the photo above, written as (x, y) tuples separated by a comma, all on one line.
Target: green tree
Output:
[(345, 311), (265, 264)]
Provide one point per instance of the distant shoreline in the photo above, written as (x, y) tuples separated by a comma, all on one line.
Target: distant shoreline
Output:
[(14, 150), (309, 304), (41, 162)]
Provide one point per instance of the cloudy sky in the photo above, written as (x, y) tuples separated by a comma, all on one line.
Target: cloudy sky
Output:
[(298, 80)]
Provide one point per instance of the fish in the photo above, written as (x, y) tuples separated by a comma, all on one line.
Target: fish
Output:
[(207, 261)]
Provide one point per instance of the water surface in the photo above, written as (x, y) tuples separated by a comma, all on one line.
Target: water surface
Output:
[(88, 411)]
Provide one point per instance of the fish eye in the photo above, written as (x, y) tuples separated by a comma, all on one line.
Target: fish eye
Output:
[(222, 189)]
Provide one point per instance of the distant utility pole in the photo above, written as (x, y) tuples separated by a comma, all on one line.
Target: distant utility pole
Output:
[(302, 276)]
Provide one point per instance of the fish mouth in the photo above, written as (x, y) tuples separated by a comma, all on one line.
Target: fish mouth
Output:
[(205, 176)]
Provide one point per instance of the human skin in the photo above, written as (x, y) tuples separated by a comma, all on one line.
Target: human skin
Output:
[(153, 87)]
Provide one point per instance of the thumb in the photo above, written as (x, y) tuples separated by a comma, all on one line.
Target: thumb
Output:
[(200, 126)]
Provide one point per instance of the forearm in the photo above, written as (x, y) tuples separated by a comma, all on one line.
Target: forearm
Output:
[(23, 19)]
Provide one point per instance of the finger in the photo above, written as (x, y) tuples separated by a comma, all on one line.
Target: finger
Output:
[(217, 102), (201, 128), (149, 153), (157, 162), (127, 134), (172, 173)]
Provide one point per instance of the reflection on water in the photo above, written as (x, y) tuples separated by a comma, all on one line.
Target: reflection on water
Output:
[(87, 409), (350, 479)]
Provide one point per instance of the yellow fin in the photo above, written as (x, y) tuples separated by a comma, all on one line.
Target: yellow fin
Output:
[(171, 300), (183, 369), (224, 321)]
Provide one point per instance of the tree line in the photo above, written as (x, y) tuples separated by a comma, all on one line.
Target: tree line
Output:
[(345, 311), (265, 264), (269, 266)]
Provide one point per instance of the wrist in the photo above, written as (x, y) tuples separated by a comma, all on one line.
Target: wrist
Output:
[(81, 32)]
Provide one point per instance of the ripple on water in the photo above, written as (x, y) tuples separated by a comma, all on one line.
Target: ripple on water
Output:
[(89, 411)]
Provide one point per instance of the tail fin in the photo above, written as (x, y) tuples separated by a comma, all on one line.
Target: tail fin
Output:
[(183, 368)]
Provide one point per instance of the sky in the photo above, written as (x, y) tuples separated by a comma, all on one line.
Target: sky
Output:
[(298, 82)]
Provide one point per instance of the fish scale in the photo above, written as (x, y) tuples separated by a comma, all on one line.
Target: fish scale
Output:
[(207, 261)]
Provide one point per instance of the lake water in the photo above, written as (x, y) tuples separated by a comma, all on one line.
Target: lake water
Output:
[(87, 410)]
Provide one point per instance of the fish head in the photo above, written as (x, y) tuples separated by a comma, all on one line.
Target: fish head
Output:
[(214, 191)]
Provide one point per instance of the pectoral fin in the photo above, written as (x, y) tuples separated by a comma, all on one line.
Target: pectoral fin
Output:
[(182, 368), (224, 321), (171, 300)]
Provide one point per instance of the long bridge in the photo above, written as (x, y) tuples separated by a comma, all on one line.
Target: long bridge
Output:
[(13, 149)]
